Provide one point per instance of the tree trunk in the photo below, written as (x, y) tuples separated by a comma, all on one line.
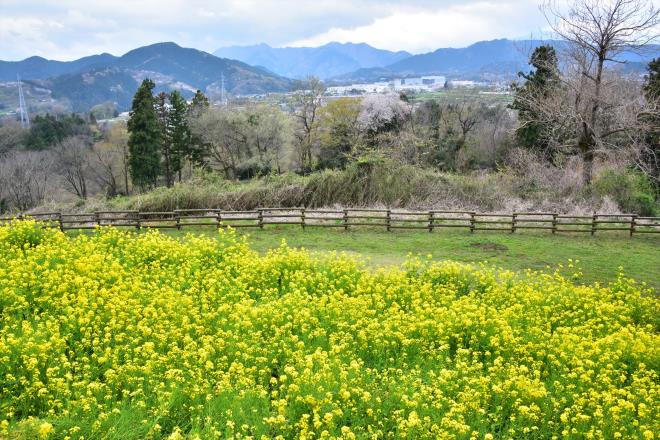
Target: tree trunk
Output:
[(586, 147)]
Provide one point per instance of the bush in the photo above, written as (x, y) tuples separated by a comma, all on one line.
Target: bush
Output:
[(632, 191)]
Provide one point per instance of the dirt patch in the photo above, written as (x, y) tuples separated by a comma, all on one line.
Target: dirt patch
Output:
[(488, 246)]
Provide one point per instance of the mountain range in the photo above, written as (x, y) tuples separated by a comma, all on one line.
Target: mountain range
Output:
[(92, 80), (324, 62), (245, 70), (491, 60)]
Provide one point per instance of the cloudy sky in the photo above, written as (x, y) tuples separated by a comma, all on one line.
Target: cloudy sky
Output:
[(67, 29)]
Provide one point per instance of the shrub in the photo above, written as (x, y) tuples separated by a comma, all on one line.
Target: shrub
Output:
[(633, 192)]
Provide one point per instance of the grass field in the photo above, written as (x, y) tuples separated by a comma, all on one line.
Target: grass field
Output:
[(600, 257), (117, 335)]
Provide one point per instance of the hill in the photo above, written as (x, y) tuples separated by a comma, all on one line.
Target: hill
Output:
[(325, 61), (90, 81)]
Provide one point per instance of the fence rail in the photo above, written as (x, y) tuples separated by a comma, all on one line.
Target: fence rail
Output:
[(348, 218)]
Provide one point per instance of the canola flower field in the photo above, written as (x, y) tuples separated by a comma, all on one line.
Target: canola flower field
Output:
[(117, 335)]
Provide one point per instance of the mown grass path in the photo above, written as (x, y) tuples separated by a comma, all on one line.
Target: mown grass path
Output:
[(600, 257)]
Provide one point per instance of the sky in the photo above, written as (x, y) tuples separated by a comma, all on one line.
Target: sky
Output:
[(67, 29)]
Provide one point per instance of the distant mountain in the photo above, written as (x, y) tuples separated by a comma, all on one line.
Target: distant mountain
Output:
[(485, 60), (169, 65), (41, 68), (325, 61)]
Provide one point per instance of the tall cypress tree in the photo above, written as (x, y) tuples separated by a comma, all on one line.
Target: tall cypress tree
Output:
[(163, 113), (651, 120), (179, 132), (540, 85), (197, 151), (145, 137)]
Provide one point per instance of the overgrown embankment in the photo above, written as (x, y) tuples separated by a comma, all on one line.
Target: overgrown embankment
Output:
[(384, 183)]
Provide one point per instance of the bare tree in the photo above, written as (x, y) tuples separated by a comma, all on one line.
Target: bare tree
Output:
[(307, 103), (268, 134), (106, 167), (598, 32), (224, 133), (467, 119), (24, 178), (72, 159)]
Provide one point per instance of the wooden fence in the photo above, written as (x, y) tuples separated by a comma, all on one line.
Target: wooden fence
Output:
[(352, 218)]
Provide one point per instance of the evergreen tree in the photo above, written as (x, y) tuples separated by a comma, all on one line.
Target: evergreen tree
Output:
[(198, 150), (652, 85), (539, 86), (163, 113), (179, 132), (49, 130), (651, 120), (145, 137)]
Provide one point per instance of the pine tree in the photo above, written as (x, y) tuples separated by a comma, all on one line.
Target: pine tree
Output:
[(540, 85), (145, 136), (198, 151), (179, 132)]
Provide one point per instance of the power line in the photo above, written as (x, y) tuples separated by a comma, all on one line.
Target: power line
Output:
[(25, 117)]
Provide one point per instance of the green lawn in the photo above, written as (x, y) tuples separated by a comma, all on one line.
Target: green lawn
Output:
[(600, 256)]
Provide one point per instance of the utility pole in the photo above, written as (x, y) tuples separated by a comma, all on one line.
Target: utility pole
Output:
[(25, 117)]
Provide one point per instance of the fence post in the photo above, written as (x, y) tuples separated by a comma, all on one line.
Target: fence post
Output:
[(97, 218), (388, 220), (260, 218), (430, 221), (59, 219), (554, 223), (177, 217), (472, 214), (137, 220), (593, 224), (633, 223), (513, 222), (302, 218), (218, 219), (345, 219)]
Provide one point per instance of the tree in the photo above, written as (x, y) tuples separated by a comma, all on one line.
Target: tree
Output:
[(338, 132), (179, 135), (307, 103), (223, 133), (163, 113), (72, 160), (540, 85), (383, 113), (24, 178), (648, 157), (49, 130), (598, 32), (268, 133), (109, 161), (198, 150), (145, 137), (12, 136), (244, 142)]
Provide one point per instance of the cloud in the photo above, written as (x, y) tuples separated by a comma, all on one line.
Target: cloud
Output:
[(69, 29), (454, 26)]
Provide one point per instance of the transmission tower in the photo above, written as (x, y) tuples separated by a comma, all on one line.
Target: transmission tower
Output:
[(223, 96), (25, 117)]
